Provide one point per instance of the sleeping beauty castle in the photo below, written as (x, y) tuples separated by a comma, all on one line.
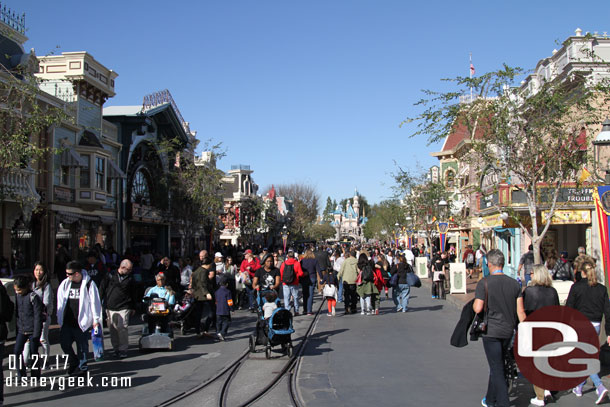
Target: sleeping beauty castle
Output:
[(348, 223)]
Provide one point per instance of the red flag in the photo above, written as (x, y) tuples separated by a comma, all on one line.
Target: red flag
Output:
[(471, 69)]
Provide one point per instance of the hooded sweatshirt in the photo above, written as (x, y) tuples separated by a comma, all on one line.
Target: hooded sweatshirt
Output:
[(349, 270)]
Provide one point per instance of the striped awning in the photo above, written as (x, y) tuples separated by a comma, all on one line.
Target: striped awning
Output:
[(114, 171), (70, 158)]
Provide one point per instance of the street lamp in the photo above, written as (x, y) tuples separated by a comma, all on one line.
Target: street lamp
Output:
[(601, 145), (284, 236), (442, 226), (409, 220)]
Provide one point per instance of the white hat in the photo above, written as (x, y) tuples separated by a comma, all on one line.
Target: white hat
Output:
[(218, 254)]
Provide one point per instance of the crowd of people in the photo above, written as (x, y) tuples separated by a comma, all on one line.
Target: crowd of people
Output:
[(506, 303)]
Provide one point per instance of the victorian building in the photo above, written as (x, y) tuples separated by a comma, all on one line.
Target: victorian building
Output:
[(145, 133), (238, 188)]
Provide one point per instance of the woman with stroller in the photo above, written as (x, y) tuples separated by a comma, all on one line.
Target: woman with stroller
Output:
[(267, 277)]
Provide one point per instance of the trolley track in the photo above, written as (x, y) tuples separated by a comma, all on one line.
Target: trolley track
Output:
[(229, 372)]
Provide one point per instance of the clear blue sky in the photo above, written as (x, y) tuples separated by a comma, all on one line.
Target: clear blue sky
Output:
[(309, 91)]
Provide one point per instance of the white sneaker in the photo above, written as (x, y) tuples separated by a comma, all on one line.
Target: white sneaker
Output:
[(333, 312), (362, 312), (537, 402), (547, 395)]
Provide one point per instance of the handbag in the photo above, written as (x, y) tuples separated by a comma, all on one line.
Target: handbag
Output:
[(479, 324), (329, 290), (359, 279), (393, 280), (413, 280)]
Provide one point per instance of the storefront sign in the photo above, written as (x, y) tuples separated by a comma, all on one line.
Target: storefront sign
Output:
[(487, 201), (567, 217), (64, 194), (567, 196)]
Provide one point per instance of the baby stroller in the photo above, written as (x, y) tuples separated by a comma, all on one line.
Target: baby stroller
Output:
[(184, 316), (273, 331)]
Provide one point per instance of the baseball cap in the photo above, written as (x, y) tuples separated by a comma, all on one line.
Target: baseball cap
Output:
[(248, 251)]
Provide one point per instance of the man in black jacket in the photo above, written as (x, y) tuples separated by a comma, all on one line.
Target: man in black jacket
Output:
[(324, 263), (119, 292)]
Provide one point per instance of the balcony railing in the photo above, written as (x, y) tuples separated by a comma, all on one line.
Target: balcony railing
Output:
[(18, 185), (12, 19)]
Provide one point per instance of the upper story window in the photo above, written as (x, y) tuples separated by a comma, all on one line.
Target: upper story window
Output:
[(450, 178), (85, 176), (100, 173)]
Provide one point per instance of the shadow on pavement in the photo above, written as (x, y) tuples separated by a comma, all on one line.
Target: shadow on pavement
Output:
[(431, 308)]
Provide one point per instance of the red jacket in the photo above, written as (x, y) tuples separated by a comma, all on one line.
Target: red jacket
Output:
[(298, 271), (379, 283), (254, 265)]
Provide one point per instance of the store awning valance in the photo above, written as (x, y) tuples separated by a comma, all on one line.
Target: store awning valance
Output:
[(114, 171), (71, 217), (70, 158), (504, 230)]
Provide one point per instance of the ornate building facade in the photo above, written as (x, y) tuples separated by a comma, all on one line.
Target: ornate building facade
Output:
[(348, 223)]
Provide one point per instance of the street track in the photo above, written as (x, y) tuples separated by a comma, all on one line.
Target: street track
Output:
[(229, 372)]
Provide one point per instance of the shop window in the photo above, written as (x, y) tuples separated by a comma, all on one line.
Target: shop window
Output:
[(100, 171), (85, 176)]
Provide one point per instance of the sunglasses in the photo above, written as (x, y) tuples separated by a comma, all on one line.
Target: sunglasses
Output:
[(70, 274)]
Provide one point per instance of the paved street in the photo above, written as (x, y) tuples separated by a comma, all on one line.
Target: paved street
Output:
[(393, 359)]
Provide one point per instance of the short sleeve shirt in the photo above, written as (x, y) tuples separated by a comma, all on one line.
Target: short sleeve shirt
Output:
[(266, 279), (503, 292), (528, 261)]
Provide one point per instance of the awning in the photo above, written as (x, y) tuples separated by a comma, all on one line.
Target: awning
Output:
[(504, 230), (114, 171), (71, 217), (70, 158)]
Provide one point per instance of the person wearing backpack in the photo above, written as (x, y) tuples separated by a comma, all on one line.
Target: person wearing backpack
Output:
[(311, 273), (366, 287), (563, 269), (469, 259), (290, 272), (400, 293), (42, 288), (78, 309), (28, 323)]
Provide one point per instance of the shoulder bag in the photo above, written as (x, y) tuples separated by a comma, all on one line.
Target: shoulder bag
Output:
[(479, 324), (413, 280)]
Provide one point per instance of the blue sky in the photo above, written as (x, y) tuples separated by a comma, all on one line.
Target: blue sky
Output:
[(310, 91)]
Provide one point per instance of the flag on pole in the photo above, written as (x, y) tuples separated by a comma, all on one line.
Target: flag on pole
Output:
[(471, 69)]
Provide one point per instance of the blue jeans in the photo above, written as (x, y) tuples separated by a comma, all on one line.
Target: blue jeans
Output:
[(288, 291), (340, 293), (251, 297), (528, 277), (497, 392), (594, 377), (404, 290), (69, 334), (222, 324), (395, 293), (20, 343), (308, 289)]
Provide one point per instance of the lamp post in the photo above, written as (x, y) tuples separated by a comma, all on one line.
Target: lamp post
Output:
[(409, 220), (442, 226), (601, 145), (284, 237), (396, 233)]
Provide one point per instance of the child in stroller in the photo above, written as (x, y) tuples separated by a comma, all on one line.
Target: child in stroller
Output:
[(183, 312), (273, 325)]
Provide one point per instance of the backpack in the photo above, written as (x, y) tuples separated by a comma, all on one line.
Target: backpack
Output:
[(562, 272), (470, 258), (45, 313), (8, 307), (288, 276), (367, 274)]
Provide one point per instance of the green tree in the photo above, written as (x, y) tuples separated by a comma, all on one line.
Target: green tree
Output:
[(327, 215), (251, 218), (382, 219), (194, 189), (305, 201), (521, 137), (319, 232)]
